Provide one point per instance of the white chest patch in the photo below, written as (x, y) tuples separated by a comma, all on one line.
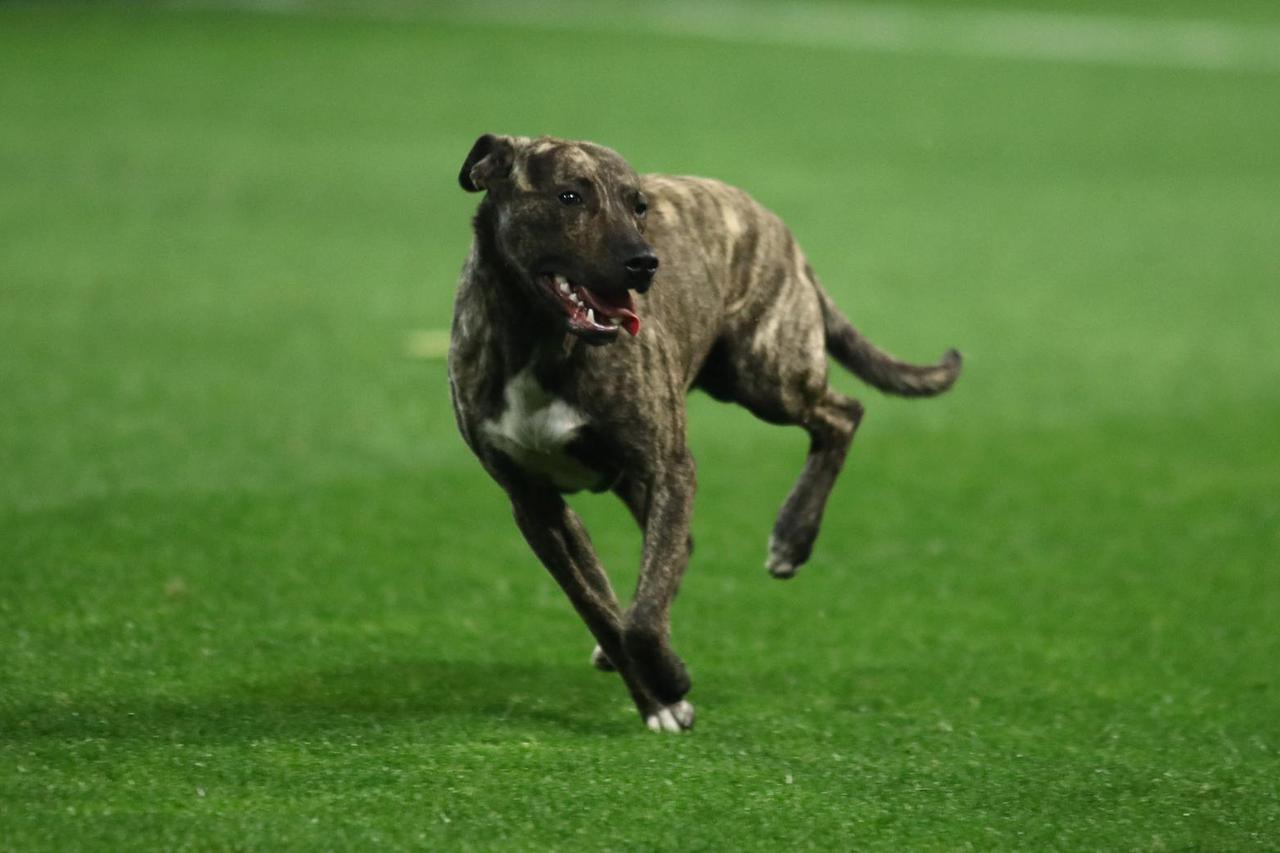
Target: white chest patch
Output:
[(535, 428)]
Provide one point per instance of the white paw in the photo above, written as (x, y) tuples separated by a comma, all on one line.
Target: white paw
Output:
[(777, 565), (601, 661), (780, 568), (671, 718)]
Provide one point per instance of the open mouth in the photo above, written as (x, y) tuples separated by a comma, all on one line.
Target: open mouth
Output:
[(590, 311)]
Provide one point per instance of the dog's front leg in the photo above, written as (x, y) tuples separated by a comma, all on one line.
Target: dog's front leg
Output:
[(646, 630), (557, 537)]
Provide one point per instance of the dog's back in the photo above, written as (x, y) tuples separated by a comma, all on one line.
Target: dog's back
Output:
[(740, 276)]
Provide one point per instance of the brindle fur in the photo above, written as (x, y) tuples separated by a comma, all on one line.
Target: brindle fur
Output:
[(734, 309)]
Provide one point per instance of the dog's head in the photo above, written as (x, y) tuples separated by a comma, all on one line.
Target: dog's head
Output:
[(568, 217)]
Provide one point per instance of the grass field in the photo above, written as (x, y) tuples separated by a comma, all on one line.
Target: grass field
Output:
[(255, 593)]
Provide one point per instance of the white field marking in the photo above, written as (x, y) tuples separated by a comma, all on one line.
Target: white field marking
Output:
[(1201, 44), (428, 344), (534, 429)]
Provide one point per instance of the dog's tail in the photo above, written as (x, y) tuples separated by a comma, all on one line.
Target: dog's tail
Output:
[(879, 369)]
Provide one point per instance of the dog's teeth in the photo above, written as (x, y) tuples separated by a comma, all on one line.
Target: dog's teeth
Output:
[(564, 285), (615, 322), (591, 316)]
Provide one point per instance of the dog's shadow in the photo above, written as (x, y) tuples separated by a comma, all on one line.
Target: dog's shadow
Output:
[(467, 696)]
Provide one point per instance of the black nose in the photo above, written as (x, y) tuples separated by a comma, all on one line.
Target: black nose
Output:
[(640, 270)]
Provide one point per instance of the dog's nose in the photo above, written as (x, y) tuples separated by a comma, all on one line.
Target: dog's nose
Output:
[(641, 268)]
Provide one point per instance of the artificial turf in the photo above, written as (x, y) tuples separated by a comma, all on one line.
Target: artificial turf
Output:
[(255, 594)]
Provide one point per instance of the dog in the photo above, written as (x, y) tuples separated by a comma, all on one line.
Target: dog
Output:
[(593, 299)]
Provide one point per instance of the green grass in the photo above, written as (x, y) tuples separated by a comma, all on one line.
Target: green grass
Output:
[(255, 594)]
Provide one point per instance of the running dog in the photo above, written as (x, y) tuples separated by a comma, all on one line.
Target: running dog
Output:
[(592, 301)]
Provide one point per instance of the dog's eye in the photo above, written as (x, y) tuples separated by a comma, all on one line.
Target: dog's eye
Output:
[(570, 198), (641, 208)]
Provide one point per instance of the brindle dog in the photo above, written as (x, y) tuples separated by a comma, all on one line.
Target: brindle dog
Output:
[(572, 353)]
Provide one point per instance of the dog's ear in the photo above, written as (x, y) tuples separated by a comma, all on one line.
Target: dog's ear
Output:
[(489, 162)]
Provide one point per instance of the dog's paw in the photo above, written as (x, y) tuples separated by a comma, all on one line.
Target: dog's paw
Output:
[(781, 568), (601, 661), (671, 718), (781, 563)]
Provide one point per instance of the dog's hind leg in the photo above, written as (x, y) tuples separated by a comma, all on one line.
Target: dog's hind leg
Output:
[(831, 424), (777, 368)]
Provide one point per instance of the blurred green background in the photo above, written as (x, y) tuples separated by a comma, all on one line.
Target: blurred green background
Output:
[(256, 594)]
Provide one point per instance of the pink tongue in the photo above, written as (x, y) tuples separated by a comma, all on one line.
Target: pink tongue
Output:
[(619, 305)]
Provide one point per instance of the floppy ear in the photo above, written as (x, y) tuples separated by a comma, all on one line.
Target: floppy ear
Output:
[(488, 162)]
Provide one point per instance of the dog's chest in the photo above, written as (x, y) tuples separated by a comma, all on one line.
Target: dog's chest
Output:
[(535, 429)]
